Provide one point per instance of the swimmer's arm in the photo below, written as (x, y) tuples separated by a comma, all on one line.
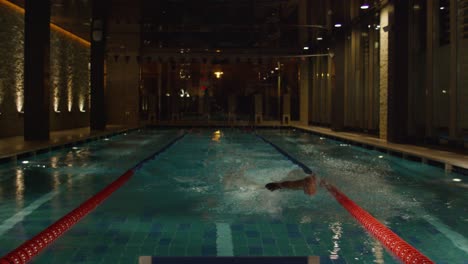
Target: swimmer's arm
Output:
[(295, 185), (299, 184), (292, 184)]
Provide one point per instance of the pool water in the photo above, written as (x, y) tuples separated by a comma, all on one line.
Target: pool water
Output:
[(205, 196)]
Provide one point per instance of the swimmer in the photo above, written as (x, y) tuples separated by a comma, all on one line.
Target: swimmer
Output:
[(308, 184)]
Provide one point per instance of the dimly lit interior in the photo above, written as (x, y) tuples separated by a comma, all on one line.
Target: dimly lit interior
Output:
[(385, 75)]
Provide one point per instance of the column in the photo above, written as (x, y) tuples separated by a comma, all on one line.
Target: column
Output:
[(286, 109), (304, 92), (98, 45), (337, 74), (431, 8), (36, 70), (384, 68), (160, 94), (303, 66), (453, 128), (398, 75)]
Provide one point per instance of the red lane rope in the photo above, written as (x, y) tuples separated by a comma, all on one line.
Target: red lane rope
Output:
[(404, 251), (35, 245), (29, 249)]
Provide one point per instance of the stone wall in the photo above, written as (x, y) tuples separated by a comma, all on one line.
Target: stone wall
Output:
[(69, 78)]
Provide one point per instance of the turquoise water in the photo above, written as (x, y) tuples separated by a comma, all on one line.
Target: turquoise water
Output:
[(204, 196)]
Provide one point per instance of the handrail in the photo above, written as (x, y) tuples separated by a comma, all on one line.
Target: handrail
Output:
[(32, 247), (395, 244)]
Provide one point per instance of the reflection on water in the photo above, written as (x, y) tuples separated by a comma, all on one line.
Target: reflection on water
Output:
[(69, 181), (216, 136), (337, 230), (54, 162), (378, 250), (56, 178), (19, 184), (69, 159)]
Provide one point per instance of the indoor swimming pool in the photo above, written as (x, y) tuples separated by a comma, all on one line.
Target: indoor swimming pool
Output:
[(205, 196)]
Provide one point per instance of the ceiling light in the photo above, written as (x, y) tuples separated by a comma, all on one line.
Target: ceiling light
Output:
[(218, 74), (338, 25), (442, 7), (306, 48), (456, 180), (365, 6), (319, 38), (276, 68)]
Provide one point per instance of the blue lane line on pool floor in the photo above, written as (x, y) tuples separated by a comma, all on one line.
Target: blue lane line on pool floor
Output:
[(224, 244), (304, 167), (152, 156)]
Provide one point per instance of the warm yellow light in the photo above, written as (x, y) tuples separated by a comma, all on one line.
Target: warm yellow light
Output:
[(19, 187), (218, 74), (52, 25), (70, 88), (19, 93), (81, 102), (216, 136)]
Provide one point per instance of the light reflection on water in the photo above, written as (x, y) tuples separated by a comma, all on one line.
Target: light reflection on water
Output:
[(378, 251), (19, 184), (337, 230)]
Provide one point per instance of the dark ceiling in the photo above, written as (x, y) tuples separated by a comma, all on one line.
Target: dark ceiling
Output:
[(72, 15), (192, 23), (216, 23)]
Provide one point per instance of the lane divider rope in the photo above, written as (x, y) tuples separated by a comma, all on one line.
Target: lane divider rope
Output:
[(32, 247), (395, 244)]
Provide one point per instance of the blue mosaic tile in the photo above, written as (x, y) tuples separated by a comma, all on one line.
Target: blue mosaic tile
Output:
[(79, 257), (164, 241), (325, 260), (209, 234), (100, 249), (292, 228), (252, 234), (237, 227), (414, 240), (121, 240), (255, 250), (294, 234), (184, 227), (154, 234), (208, 250), (119, 218), (102, 225), (156, 227), (340, 260), (268, 241), (312, 241), (433, 231)]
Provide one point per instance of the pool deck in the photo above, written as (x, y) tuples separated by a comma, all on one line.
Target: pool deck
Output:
[(12, 148), (442, 158)]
